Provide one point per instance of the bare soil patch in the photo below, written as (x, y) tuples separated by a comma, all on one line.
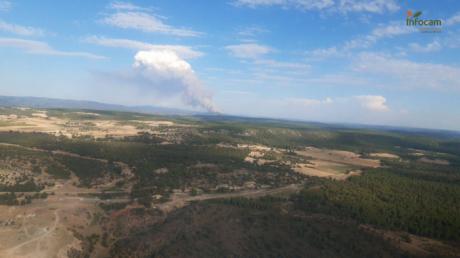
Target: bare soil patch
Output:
[(384, 155), (334, 164)]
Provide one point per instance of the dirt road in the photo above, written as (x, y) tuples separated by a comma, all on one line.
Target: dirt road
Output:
[(182, 199), (11, 251)]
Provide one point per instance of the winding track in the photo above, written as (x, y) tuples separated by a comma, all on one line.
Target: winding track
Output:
[(11, 250)]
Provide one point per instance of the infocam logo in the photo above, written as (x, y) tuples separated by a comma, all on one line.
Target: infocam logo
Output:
[(424, 25)]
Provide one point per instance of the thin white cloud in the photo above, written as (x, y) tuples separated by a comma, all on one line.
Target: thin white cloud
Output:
[(454, 19), (129, 18), (295, 75), (255, 3), (20, 30), (256, 54), (342, 6), (381, 32), (298, 4), (404, 73), (428, 48), (374, 103), (42, 48), (251, 31), (185, 52), (249, 50), (389, 31), (119, 5), (326, 53), (369, 6), (5, 6), (362, 42), (306, 102)]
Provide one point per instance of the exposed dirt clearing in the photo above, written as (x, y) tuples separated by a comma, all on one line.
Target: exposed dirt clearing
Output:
[(179, 200), (156, 123), (41, 228), (384, 155), (338, 156), (254, 147), (41, 114), (50, 125), (326, 169)]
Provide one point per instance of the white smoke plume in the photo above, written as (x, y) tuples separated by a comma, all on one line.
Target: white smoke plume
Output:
[(165, 70)]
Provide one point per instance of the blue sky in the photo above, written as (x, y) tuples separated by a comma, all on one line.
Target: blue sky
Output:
[(350, 61)]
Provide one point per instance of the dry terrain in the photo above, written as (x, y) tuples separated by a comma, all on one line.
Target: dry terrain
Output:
[(86, 124)]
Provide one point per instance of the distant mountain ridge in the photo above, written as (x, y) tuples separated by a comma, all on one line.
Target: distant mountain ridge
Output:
[(39, 102)]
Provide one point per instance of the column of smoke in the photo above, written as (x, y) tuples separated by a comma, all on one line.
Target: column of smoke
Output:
[(165, 66)]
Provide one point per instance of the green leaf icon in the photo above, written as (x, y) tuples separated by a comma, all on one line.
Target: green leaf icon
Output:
[(417, 14)]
